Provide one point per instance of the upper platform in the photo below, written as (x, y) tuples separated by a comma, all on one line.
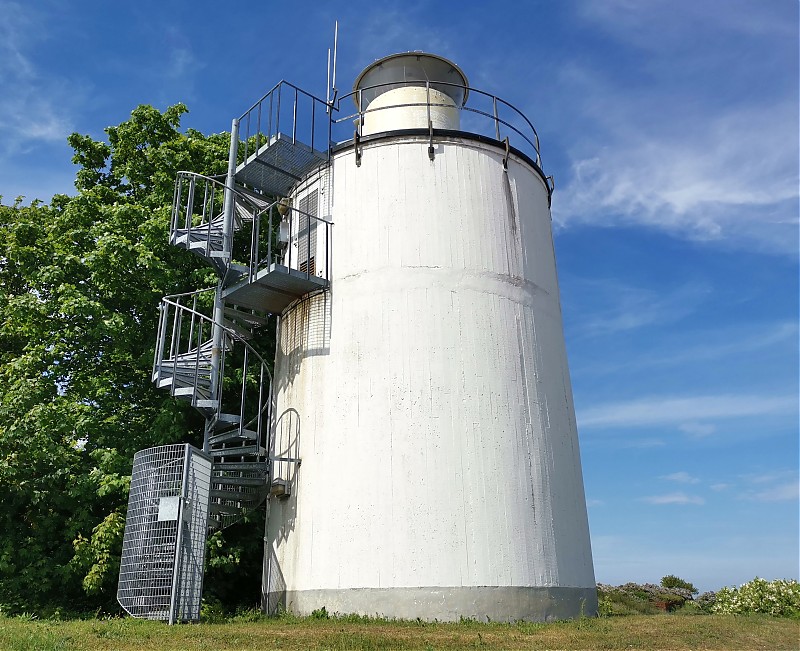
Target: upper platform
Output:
[(289, 133), (279, 164), (282, 138)]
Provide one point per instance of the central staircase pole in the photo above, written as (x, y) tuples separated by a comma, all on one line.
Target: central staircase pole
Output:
[(218, 330)]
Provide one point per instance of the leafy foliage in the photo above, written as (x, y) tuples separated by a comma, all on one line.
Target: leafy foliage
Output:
[(779, 598), (672, 581), (636, 598), (80, 282)]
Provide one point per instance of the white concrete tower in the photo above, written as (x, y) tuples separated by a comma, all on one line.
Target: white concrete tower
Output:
[(427, 391)]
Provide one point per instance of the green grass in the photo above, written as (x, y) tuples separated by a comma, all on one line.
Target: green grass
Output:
[(666, 632)]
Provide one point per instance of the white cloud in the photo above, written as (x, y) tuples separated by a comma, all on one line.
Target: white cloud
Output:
[(769, 477), (697, 153), (782, 492), (681, 477), (697, 347), (674, 498), (387, 31), (697, 429), (729, 181), (720, 486), (656, 23), (34, 105), (666, 410), (617, 307)]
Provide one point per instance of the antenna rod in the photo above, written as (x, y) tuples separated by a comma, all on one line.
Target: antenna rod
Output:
[(328, 83), (335, 43)]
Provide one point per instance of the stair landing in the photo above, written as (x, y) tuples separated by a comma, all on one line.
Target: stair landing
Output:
[(273, 289)]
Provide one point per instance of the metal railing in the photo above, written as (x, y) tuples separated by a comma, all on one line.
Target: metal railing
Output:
[(492, 116), (288, 111), (295, 240), (197, 210), (183, 353)]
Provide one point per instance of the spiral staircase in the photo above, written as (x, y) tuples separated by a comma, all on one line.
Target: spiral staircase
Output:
[(204, 353)]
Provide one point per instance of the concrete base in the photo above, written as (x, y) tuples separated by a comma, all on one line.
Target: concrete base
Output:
[(498, 604)]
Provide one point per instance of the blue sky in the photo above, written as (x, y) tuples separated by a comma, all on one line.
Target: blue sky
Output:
[(671, 128)]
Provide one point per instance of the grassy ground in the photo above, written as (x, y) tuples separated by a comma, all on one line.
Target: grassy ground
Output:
[(661, 632)]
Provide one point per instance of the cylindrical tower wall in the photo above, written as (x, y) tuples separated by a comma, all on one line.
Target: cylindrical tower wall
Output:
[(428, 396)]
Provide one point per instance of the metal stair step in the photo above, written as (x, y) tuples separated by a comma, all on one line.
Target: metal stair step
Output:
[(243, 332), (233, 435), (240, 466), (225, 509), (197, 236), (237, 496), (239, 481), (190, 391), (240, 451), (246, 317), (185, 370), (184, 388), (227, 419)]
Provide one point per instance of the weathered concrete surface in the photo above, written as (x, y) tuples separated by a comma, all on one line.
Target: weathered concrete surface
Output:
[(498, 604), (429, 398)]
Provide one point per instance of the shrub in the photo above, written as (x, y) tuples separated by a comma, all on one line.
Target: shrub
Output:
[(672, 581), (212, 611), (628, 599), (706, 601), (780, 598)]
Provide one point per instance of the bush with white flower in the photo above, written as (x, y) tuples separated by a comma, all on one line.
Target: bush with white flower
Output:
[(780, 598)]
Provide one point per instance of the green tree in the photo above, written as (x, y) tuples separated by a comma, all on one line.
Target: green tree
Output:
[(80, 282), (672, 581)]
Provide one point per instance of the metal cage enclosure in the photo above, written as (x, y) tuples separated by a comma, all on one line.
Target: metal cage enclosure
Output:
[(163, 551)]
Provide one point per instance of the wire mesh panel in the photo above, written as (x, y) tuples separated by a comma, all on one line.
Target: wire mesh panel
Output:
[(167, 511), (197, 485)]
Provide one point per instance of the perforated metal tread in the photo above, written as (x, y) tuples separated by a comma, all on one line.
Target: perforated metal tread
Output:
[(278, 165)]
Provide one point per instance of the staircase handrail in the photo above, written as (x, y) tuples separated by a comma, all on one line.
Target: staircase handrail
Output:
[(178, 207), (205, 317), (273, 252), (253, 124)]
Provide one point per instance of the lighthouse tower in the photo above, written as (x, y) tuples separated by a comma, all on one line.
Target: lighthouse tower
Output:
[(415, 444), (424, 449)]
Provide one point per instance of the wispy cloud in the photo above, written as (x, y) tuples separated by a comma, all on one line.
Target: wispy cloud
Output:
[(674, 498), (698, 155), (669, 410), (691, 348), (681, 477), (389, 30), (617, 307), (782, 492), (702, 186), (770, 486), (34, 105), (697, 429), (650, 25)]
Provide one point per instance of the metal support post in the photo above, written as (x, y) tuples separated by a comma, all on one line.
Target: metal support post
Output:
[(176, 574), (218, 331)]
